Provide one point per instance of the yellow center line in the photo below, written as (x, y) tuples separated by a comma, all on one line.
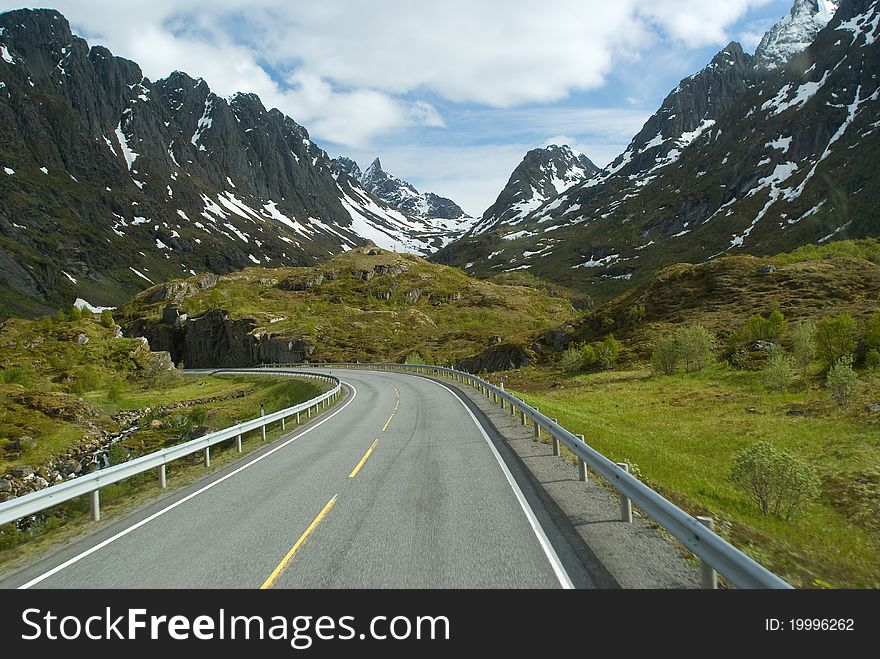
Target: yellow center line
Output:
[(394, 411), (360, 464), (272, 577)]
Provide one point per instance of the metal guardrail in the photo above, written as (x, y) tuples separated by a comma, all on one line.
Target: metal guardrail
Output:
[(739, 569), (90, 484)]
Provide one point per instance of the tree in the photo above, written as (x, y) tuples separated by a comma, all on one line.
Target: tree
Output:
[(665, 355), (107, 318), (779, 372), (60, 317), (696, 347), (777, 481), (842, 381), (803, 343), (75, 313), (572, 360), (607, 352), (836, 337)]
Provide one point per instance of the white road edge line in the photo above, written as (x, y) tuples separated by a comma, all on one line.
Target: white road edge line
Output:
[(552, 556), (174, 505)]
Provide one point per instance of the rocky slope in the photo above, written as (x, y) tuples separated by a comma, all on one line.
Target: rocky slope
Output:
[(794, 33), (110, 181), (738, 158)]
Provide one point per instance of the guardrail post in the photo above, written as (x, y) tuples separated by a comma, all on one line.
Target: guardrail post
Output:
[(95, 505), (554, 441), (283, 425), (263, 413), (207, 456), (582, 466), (309, 412), (626, 506), (163, 480), (522, 415), (708, 576), (238, 443), (297, 418), (537, 426), (512, 409)]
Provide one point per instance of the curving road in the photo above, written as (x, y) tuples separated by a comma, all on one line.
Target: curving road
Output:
[(400, 485)]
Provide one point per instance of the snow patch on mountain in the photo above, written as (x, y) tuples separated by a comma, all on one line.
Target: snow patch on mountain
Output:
[(795, 32)]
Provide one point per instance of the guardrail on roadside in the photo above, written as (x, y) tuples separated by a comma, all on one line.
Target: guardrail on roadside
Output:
[(695, 533), (90, 484)]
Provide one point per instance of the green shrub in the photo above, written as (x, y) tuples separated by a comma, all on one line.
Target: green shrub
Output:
[(872, 359), (770, 328), (117, 454), (589, 359), (114, 392), (635, 314), (198, 416), (836, 337), (572, 359), (86, 313), (107, 318), (607, 352), (607, 323), (414, 358), (665, 355), (60, 317), (803, 343), (779, 372), (75, 313), (86, 378), (777, 481), (842, 381), (696, 347)]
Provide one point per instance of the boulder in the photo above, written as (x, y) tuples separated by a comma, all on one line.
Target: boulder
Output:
[(497, 358), (413, 296), (82, 338), (22, 471), (41, 482), (5, 485), (872, 408), (766, 269)]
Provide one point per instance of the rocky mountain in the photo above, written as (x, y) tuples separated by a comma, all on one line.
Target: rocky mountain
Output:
[(739, 158), (542, 174), (795, 32), (111, 181), (442, 218)]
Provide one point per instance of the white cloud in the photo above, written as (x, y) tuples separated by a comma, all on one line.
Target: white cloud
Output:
[(351, 62)]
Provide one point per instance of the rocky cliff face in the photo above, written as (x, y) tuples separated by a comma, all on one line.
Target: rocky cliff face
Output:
[(794, 33), (110, 181), (738, 158)]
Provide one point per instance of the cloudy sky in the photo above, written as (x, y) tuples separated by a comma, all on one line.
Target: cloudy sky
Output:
[(449, 94)]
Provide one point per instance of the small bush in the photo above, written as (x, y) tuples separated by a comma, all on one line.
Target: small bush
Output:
[(60, 317), (198, 416), (572, 359), (872, 359), (86, 378), (107, 319), (414, 358), (777, 481), (86, 313), (23, 375), (607, 352), (779, 372), (665, 355), (803, 343), (75, 313), (117, 454), (836, 337), (770, 328), (589, 358), (607, 323), (696, 347), (635, 314), (842, 381)]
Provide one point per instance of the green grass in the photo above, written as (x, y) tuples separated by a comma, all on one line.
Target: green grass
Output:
[(684, 431)]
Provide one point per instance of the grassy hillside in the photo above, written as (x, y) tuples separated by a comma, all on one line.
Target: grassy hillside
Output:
[(67, 385), (373, 305), (809, 283), (684, 431)]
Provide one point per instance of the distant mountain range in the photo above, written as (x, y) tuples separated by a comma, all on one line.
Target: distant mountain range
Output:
[(755, 154), (110, 181)]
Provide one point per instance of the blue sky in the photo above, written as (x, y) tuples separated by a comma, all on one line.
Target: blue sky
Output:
[(450, 95)]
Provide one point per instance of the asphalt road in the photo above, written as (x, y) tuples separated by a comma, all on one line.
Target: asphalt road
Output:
[(401, 485)]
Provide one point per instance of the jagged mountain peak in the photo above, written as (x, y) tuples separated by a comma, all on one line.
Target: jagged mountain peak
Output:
[(794, 33), (542, 174), (403, 195)]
